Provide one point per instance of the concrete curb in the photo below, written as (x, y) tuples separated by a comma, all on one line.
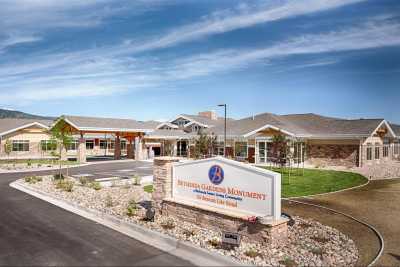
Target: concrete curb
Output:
[(184, 250), (44, 169)]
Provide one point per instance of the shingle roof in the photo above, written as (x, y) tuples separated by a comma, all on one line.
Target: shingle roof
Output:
[(204, 120), (7, 125), (396, 129), (301, 125), (109, 124), (171, 134)]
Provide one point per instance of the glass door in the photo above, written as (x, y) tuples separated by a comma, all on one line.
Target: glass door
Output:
[(262, 152)]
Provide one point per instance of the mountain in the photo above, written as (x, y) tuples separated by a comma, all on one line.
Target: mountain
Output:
[(6, 113)]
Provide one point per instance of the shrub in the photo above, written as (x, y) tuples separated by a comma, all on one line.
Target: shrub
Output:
[(214, 242), (317, 251), (132, 208), (64, 185), (58, 176), (252, 253), (95, 185), (109, 201), (288, 262), (29, 163), (189, 232), (168, 224), (32, 179), (83, 180)]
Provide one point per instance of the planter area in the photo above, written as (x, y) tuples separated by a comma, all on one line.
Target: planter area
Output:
[(309, 242), (31, 165)]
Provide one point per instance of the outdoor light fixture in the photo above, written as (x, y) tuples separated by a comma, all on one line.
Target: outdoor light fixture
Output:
[(224, 105)]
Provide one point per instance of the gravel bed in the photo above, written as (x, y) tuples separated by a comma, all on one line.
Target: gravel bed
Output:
[(309, 242)]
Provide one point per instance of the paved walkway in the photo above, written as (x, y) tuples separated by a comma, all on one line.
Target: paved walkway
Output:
[(378, 204), (34, 232)]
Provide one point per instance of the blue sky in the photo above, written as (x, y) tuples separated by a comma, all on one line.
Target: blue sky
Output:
[(153, 59)]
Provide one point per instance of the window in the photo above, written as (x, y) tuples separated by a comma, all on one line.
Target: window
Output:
[(111, 144), (48, 145), (385, 151), (369, 152), (20, 145), (103, 144), (73, 145), (219, 149), (241, 149), (377, 151), (396, 149), (89, 144), (123, 145)]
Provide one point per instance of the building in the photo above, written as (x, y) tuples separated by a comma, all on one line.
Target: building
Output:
[(315, 140), (28, 138)]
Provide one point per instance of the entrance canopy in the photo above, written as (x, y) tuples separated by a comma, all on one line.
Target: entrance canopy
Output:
[(121, 128)]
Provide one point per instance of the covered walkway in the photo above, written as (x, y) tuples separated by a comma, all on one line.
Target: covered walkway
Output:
[(130, 130)]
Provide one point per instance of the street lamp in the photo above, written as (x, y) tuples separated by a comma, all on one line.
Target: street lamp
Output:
[(224, 105)]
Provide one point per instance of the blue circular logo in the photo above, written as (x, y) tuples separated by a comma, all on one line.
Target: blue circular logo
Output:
[(216, 174)]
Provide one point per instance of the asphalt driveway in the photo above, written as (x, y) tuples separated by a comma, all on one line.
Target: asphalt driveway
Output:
[(34, 232), (378, 204)]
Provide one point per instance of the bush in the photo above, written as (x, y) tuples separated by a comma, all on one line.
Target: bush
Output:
[(64, 185), (214, 242), (252, 253), (33, 179), (29, 163), (58, 176), (109, 201), (168, 224), (288, 262), (189, 232), (83, 180), (95, 185), (132, 208)]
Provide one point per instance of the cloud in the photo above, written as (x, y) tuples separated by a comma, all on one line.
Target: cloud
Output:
[(98, 74), (243, 17), (27, 18)]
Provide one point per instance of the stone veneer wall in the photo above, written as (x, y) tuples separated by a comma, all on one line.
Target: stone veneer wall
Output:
[(164, 204), (332, 155), (250, 232)]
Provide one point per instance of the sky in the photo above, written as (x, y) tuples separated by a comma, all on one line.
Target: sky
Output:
[(154, 59)]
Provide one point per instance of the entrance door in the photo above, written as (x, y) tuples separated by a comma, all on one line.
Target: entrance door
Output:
[(262, 152)]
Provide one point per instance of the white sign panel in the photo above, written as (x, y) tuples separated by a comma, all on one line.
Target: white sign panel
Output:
[(230, 186)]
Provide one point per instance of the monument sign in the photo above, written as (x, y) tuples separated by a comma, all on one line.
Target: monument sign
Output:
[(228, 185)]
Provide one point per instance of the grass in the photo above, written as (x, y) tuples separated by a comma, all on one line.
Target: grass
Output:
[(148, 188), (43, 162), (316, 181)]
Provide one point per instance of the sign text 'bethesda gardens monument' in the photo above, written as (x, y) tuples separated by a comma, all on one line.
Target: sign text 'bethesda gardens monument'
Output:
[(223, 195)]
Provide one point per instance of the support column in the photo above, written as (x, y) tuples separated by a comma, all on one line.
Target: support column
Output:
[(162, 183), (82, 150), (129, 148), (175, 149), (138, 148), (117, 148)]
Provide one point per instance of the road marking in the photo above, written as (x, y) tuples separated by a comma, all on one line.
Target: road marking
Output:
[(83, 175)]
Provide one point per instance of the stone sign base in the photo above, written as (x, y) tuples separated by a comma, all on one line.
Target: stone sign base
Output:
[(259, 232)]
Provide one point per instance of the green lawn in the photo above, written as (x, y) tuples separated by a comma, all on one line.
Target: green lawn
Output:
[(316, 181)]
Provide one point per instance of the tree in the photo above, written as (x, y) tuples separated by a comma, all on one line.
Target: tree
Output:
[(204, 145), (279, 148), (62, 138), (8, 147)]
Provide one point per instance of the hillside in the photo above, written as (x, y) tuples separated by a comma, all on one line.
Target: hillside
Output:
[(5, 113)]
